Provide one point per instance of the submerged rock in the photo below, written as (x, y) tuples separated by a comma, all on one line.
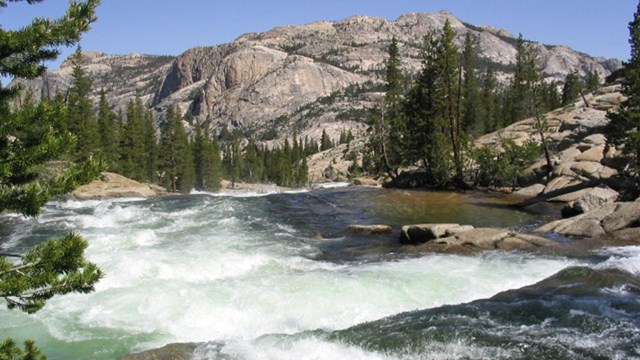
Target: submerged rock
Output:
[(369, 229), (182, 351)]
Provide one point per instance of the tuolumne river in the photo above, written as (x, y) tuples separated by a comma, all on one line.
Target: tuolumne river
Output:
[(277, 277)]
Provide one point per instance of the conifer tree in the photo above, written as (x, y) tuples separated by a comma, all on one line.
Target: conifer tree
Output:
[(325, 141), (526, 91), (28, 140), (552, 98), (471, 120), (175, 168), (425, 139), (133, 157), (206, 156), (571, 88), (593, 81), (150, 145), (387, 123), (623, 129), (82, 121), (490, 102), (450, 71), (107, 129)]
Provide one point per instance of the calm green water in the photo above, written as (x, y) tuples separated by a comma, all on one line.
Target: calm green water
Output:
[(277, 277)]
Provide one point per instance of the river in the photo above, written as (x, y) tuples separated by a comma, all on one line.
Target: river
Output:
[(277, 277)]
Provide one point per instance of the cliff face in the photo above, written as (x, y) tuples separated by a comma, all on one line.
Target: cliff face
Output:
[(311, 77), (121, 76)]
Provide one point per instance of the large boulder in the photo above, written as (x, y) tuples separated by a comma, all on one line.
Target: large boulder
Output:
[(590, 200), (530, 191), (608, 219), (111, 185), (418, 234), (455, 238)]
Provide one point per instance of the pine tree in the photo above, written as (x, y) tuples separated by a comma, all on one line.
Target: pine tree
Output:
[(107, 129), (471, 120), (82, 121), (325, 141), (593, 81), (449, 61), (387, 122), (490, 102), (133, 157), (28, 140), (622, 131), (552, 98), (206, 156), (571, 88), (175, 168), (425, 139), (150, 146)]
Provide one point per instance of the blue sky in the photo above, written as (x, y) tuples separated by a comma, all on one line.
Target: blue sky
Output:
[(170, 27)]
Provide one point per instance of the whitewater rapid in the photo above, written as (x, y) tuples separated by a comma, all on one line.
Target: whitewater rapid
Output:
[(234, 273)]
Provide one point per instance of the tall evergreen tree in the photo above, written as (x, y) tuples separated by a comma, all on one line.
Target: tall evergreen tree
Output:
[(449, 61), (206, 156), (387, 122), (492, 119), (133, 157), (571, 88), (82, 118), (176, 159), (325, 141), (471, 120), (425, 139), (552, 98), (593, 81), (623, 129), (107, 129), (150, 143)]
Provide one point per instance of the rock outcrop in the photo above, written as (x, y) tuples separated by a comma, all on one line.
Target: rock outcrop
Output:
[(112, 185), (619, 220), (456, 238), (578, 147)]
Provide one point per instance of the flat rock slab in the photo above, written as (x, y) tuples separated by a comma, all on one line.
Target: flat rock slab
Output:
[(608, 219), (369, 229), (459, 239)]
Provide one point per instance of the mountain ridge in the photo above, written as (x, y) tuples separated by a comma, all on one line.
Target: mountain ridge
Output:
[(308, 78)]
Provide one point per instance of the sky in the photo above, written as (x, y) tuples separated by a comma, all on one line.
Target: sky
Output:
[(169, 27)]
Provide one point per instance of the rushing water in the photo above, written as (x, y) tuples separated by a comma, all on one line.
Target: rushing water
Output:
[(277, 277)]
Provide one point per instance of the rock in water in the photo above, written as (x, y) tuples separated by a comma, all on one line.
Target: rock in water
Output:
[(112, 185), (168, 352), (369, 229)]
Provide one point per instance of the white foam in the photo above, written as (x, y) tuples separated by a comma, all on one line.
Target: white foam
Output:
[(625, 258), (308, 348), (330, 185)]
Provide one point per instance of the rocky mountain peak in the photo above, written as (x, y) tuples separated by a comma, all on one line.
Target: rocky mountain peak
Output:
[(322, 75)]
